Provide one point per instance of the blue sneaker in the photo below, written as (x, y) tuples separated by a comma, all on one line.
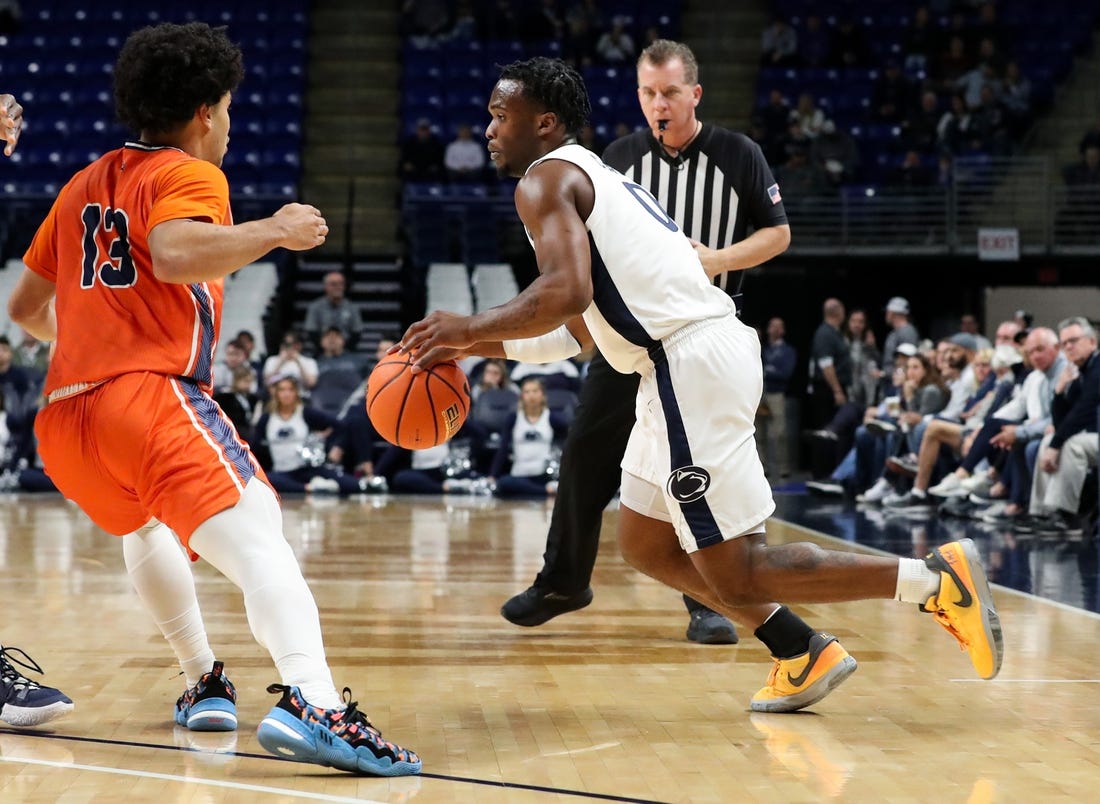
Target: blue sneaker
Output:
[(210, 705), (338, 738), (24, 702)]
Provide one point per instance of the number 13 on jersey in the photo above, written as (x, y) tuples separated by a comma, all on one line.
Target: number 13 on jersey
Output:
[(118, 270)]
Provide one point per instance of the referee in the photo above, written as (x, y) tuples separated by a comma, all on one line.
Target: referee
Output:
[(714, 183)]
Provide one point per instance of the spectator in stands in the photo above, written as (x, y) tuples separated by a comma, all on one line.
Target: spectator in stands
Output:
[(422, 154), (466, 27), (542, 22), (830, 365), (239, 400), (901, 330), (891, 94), (333, 309), (1067, 454), (616, 46), (952, 63), (912, 172), (425, 19), (780, 360), (992, 123), (1087, 171), (32, 355), (289, 440), (354, 447), (814, 43), (988, 27), (866, 360), (436, 470), (20, 391), (1015, 97), (836, 154), (922, 41), (808, 116), (779, 44), (584, 21), (235, 357), (590, 140), (957, 131), (290, 362), (849, 46), (338, 373), (968, 323), (464, 157), (971, 83), (501, 22), (920, 129), (799, 177), (492, 373), (559, 374), (775, 118), (527, 445)]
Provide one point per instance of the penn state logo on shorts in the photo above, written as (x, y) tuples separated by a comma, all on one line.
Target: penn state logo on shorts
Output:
[(688, 483)]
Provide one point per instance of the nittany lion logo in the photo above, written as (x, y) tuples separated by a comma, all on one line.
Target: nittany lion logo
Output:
[(688, 483)]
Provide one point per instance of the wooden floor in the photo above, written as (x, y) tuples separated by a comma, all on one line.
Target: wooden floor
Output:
[(608, 704)]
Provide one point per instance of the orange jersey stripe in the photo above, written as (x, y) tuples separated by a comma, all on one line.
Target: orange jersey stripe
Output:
[(114, 316)]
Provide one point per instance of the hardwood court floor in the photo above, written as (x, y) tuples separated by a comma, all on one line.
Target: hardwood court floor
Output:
[(608, 704)]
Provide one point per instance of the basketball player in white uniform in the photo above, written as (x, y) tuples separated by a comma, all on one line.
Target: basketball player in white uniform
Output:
[(615, 269)]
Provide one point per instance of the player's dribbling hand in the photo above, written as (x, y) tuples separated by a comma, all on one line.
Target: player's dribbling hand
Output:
[(303, 226), (11, 122), (436, 338)]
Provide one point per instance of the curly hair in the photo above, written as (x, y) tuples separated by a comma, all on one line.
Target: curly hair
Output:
[(165, 72), (555, 85)]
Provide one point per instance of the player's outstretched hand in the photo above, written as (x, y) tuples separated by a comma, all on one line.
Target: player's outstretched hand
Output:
[(11, 122), (303, 225), (441, 336)]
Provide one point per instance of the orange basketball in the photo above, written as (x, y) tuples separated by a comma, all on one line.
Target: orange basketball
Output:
[(417, 411)]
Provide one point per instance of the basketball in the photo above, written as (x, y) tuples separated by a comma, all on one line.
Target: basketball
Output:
[(417, 411)]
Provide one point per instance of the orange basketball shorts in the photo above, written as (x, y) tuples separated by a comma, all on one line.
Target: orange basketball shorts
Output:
[(145, 445)]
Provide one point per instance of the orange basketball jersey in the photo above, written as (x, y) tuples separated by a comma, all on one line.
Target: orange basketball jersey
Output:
[(94, 247)]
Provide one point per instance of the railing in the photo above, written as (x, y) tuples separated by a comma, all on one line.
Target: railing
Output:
[(1022, 193)]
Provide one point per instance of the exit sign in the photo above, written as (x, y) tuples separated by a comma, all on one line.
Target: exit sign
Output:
[(999, 245)]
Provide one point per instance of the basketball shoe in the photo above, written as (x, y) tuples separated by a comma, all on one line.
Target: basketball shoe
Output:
[(805, 679), (964, 605), (24, 702), (210, 705), (338, 738)]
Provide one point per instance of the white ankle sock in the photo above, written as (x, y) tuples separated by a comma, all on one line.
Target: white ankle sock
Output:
[(916, 582)]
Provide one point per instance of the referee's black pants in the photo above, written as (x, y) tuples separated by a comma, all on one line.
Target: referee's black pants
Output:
[(589, 477)]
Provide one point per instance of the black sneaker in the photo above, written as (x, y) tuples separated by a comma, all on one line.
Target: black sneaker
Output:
[(536, 605), (881, 427), (959, 507), (1059, 523), (708, 627), (24, 702)]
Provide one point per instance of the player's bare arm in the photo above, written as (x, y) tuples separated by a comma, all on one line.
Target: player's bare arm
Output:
[(756, 249), (547, 200), (11, 122), (31, 305), (187, 251)]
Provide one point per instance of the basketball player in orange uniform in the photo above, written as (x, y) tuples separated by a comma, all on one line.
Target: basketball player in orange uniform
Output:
[(125, 276)]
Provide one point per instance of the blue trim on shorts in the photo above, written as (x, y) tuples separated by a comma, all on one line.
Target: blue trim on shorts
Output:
[(223, 433), (704, 527)]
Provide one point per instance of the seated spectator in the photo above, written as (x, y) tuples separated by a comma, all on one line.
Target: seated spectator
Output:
[(616, 46), (559, 374), (428, 20), (32, 355), (239, 400), (807, 115), (338, 373), (968, 323), (891, 94), (247, 341), (849, 46), (912, 172), (814, 43), (333, 309), (775, 118), (289, 441), (990, 121), (590, 140), (1015, 97), (583, 21), (779, 44), (527, 446), (1068, 454), (835, 152), (355, 446), (290, 362), (235, 357), (799, 177), (957, 132), (491, 373), (952, 64), (464, 157), (19, 388), (422, 154), (541, 22), (465, 28), (443, 469), (920, 130), (1085, 173), (971, 83), (780, 360), (921, 42)]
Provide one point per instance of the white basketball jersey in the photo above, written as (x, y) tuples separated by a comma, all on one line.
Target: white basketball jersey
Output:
[(647, 280)]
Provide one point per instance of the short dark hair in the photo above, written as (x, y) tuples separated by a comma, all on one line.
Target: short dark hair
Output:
[(165, 72), (661, 51), (555, 85)]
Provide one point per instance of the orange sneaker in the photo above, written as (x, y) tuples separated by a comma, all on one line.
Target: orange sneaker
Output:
[(805, 679), (964, 605)]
